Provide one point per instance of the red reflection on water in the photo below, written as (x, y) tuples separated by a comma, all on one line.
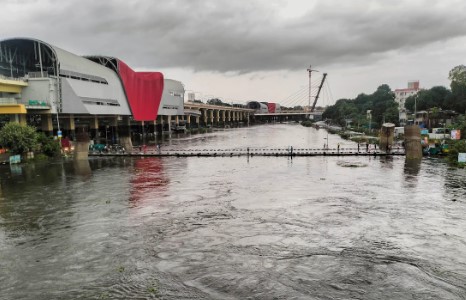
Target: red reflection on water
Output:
[(148, 179)]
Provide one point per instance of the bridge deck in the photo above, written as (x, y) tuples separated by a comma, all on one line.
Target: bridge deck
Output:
[(276, 152)]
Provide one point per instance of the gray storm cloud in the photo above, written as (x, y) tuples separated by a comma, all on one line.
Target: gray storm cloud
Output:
[(236, 36)]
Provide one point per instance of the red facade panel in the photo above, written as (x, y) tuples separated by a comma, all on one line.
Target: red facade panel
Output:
[(271, 107), (144, 91)]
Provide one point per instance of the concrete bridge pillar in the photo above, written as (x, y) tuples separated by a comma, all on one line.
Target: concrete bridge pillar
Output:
[(229, 115), (386, 137), (413, 148), (224, 116), (211, 116), (217, 116), (204, 115), (198, 121), (46, 124), (188, 121)]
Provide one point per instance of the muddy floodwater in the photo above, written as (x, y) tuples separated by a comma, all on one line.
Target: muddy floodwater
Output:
[(233, 227)]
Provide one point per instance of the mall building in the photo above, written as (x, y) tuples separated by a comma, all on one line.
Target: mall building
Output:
[(61, 92)]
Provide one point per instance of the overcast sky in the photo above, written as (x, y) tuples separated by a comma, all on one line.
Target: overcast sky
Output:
[(258, 49)]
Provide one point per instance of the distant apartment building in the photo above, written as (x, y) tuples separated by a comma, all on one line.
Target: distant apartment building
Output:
[(400, 97)]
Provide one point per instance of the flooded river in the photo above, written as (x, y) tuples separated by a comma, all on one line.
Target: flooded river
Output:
[(234, 228)]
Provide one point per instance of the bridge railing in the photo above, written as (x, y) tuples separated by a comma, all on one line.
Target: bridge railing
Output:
[(264, 151)]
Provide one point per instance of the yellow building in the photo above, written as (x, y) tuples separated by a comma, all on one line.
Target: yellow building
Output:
[(10, 91)]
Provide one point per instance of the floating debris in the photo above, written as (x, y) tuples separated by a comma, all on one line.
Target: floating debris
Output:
[(348, 164)]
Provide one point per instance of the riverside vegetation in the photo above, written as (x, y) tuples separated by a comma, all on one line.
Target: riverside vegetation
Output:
[(21, 139)]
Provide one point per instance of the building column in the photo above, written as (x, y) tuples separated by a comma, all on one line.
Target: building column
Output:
[(21, 119), (81, 147), (143, 133), (94, 128), (47, 125), (124, 132), (154, 124), (188, 121), (198, 121), (159, 124), (169, 121), (70, 126), (114, 129)]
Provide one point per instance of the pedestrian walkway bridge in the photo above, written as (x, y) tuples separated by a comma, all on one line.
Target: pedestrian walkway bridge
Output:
[(251, 152)]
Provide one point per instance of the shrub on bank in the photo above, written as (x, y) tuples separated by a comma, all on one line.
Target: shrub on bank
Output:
[(48, 145), (455, 147), (307, 123), (18, 138), (344, 135)]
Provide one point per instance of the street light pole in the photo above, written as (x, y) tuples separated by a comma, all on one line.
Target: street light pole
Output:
[(326, 143)]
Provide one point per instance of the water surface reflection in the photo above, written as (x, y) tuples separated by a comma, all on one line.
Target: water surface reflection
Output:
[(232, 228)]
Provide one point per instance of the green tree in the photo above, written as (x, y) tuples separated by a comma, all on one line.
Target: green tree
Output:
[(18, 138), (457, 75), (381, 103), (215, 101), (383, 99), (438, 96)]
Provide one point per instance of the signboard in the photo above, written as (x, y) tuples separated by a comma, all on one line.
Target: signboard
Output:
[(455, 134), (59, 134), (462, 157), (15, 159), (424, 131)]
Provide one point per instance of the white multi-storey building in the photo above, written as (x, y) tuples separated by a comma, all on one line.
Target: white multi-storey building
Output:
[(400, 97)]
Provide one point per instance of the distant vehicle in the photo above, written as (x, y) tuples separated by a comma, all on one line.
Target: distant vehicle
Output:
[(440, 134), (399, 131)]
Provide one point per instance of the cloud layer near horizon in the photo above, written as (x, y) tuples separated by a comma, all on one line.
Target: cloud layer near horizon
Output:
[(237, 36)]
